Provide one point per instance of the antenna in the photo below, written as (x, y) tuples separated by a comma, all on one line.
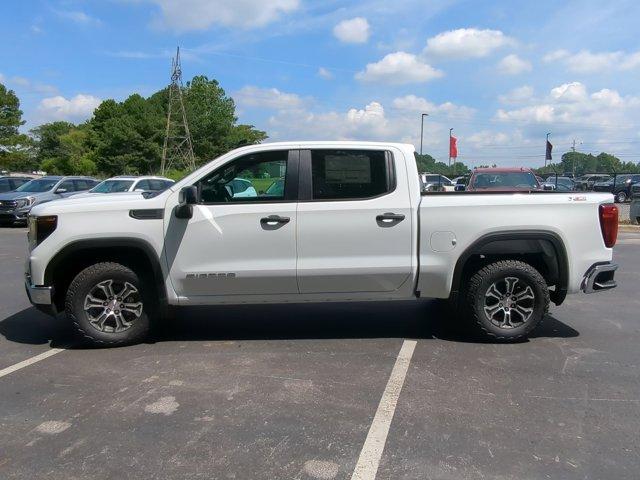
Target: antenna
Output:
[(177, 150)]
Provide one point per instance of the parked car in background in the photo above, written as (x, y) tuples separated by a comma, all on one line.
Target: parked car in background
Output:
[(560, 184), (122, 184), (15, 206), (502, 179), (619, 185), (434, 182), (586, 182), (9, 184)]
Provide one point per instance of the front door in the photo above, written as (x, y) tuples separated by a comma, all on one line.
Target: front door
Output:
[(354, 222), (242, 237)]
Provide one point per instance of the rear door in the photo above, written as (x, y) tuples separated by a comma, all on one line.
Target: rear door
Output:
[(354, 222)]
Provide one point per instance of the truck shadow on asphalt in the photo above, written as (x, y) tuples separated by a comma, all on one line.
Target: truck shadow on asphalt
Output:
[(424, 319)]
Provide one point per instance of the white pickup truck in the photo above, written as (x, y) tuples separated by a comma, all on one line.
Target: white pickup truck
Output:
[(324, 221)]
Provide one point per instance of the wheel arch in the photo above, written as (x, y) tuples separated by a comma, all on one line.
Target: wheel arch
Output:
[(135, 253), (543, 249)]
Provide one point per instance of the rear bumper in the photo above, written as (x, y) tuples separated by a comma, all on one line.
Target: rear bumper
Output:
[(600, 277), (40, 297)]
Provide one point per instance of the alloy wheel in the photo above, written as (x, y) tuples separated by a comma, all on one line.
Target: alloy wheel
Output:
[(509, 302), (113, 306)]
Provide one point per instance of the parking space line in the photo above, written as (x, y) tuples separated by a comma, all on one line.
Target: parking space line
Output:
[(29, 361), (369, 460)]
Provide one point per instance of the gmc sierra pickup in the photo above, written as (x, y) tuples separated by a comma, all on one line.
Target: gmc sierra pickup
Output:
[(315, 222)]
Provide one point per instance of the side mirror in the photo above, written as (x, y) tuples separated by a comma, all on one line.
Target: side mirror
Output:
[(459, 188), (187, 199), (548, 187), (61, 190)]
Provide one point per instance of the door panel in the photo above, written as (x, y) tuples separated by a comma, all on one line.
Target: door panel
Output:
[(239, 243), (348, 246), (227, 250)]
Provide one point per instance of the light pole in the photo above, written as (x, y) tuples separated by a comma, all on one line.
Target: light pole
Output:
[(546, 146), (422, 129)]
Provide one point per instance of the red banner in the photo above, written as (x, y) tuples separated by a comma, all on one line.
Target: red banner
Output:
[(453, 147)]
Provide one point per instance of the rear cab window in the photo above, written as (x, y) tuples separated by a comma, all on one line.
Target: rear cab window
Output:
[(351, 174)]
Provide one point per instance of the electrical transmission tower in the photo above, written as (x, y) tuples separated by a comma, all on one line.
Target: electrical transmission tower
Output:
[(177, 150)]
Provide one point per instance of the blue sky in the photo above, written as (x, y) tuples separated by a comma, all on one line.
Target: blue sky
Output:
[(501, 73)]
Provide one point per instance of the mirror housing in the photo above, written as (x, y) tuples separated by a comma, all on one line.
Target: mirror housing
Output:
[(187, 199), (459, 187), (61, 190), (548, 187)]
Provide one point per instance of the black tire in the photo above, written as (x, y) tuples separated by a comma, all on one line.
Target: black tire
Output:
[(621, 197), (86, 282), (477, 297)]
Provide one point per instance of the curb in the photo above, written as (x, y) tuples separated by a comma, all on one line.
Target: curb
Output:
[(629, 228)]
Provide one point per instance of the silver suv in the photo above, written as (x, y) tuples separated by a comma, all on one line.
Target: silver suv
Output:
[(15, 206)]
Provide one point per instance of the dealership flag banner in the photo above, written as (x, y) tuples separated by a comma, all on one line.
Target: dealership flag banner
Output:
[(549, 149), (453, 147)]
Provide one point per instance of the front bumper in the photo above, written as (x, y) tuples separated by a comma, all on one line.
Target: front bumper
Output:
[(600, 277), (14, 216), (40, 297)]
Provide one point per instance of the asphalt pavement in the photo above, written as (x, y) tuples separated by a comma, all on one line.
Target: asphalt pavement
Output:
[(385, 390)]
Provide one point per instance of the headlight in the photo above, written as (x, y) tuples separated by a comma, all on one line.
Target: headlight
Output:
[(40, 228), (25, 202)]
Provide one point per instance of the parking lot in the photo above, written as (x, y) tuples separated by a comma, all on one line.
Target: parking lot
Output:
[(321, 391)]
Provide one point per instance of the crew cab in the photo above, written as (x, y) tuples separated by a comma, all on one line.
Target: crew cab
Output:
[(348, 222)]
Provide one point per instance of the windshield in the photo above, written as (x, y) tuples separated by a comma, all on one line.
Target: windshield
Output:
[(39, 185), (111, 186), (505, 180)]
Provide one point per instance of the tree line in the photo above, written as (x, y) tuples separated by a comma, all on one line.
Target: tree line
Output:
[(122, 137), (127, 137)]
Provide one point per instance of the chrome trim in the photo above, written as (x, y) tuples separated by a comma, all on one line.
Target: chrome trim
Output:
[(38, 295), (590, 284)]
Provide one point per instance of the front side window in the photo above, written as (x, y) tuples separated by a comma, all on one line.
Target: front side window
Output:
[(5, 185), (67, 185), (38, 186), (349, 174), (112, 186), (247, 179)]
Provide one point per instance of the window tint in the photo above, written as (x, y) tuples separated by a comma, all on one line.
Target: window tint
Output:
[(82, 185), (248, 178), (67, 185), (347, 174), (157, 185), (143, 185), (5, 185)]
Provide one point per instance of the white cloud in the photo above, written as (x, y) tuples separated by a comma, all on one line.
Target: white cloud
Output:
[(488, 137), (466, 43), (78, 17), (517, 96), (586, 61), (569, 92), (188, 15), (325, 73), (610, 98), (267, 98), (399, 68), (76, 108), (419, 104), (556, 55), (534, 113), (356, 30), (513, 65), (25, 85)]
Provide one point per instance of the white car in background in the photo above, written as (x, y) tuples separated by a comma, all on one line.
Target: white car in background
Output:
[(131, 184), (434, 182)]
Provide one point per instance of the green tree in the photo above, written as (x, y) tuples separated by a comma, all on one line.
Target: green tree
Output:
[(427, 164), (15, 148)]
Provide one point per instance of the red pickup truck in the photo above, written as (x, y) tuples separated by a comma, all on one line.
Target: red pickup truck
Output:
[(502, 180)]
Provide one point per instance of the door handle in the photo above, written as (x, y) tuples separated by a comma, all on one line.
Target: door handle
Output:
[(390, 217), (274, 219)]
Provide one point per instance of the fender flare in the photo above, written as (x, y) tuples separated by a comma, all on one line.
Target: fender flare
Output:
[(553, 238)]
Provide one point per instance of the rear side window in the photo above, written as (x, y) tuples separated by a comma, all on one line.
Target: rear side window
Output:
[(143, 185), (350, 174), (5, 185)]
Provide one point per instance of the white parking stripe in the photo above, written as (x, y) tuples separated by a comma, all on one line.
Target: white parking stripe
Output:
[(29, 361), (369, 460)]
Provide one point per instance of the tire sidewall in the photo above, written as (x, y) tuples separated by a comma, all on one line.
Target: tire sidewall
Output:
[(84, 283), (621, 197), (539, 308)]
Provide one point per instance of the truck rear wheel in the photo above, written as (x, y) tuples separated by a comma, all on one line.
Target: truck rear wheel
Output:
[(108, 305), (507, 299)]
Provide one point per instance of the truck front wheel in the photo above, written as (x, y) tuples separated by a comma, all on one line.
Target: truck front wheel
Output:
[(507, 299), (106, 303)]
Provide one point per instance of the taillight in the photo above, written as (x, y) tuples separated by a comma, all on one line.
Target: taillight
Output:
[(609, 224)]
